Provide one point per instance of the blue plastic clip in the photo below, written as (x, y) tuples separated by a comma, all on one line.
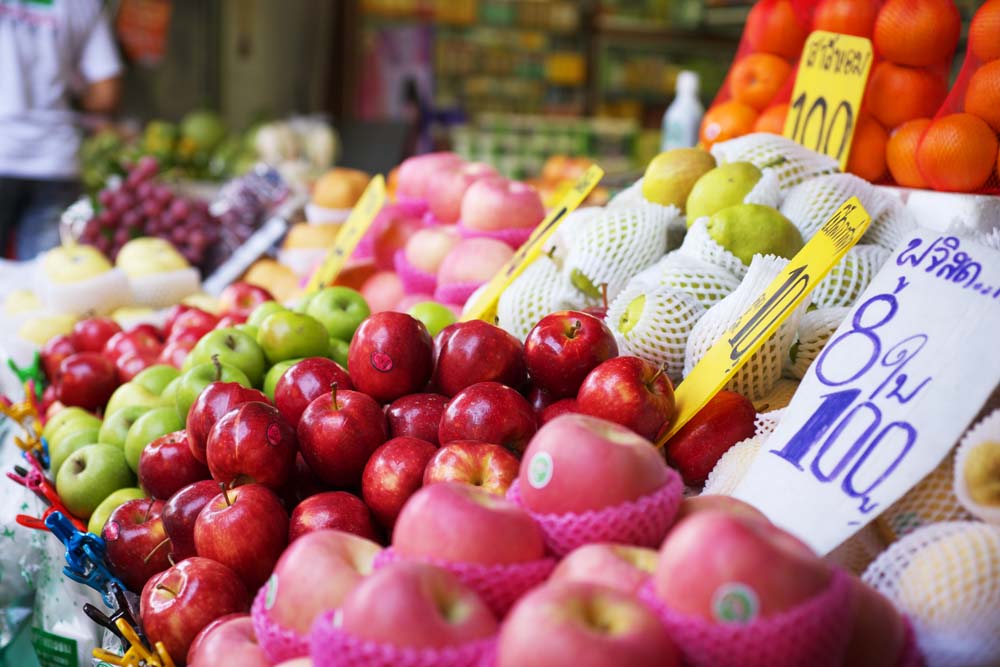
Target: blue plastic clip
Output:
[(42, 454), (84, 557)]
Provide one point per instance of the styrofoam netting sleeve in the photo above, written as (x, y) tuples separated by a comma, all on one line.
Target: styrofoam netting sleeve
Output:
[(630, 196), (731, 467), (533, 295), (699, 244), (708, 283), (815, 329), (763, 369), (791, 162), (779, 397), (893, 224), (665, 318), (811, 203), (571, 227), (990, 239), (850, 276), (977, 469), (766, 191), (931, 500), (858, 552), (766, 422), (611, 249), (946, 579)]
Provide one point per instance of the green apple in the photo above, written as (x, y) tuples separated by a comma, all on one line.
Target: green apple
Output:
[(340, 309), (338, 351), (303, 304), (75, 422), (156, 378), (722, 187), (116, 424), (131, 393), (90, 475), (60, 418), (434, 315), (170, 391), (292, 335), (62, 448), (274, 374), (234, 348), (248, 329), (147, 428), (260, 313), (751, 229), (109, 505), (191, 383)]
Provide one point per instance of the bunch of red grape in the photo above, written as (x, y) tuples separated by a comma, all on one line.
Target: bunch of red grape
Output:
[(139, 206)]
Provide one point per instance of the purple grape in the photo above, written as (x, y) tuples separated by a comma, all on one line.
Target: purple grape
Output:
[(147, 166), (121, 235), (131, 218)]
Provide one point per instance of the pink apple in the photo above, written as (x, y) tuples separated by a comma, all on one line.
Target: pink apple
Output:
[(459, 522), (232, 642), (332, 510), (585, 625), (619, 566), (240, 299), (477, 463), (416, 172), (446, 188), (473, 261), (427, 248), (390, 235), (382, 291), (314, 575), (495, 203), (717, 503)]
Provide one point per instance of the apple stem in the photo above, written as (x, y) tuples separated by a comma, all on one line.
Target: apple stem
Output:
[(333, 395), (656, 376), (170, 559), (218, 367), (575, 329), (161, 587), (155, 549), (225, 494), (604, 295), (149, 509)]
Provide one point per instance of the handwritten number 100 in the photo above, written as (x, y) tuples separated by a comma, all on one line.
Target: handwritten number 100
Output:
[(817, 113)]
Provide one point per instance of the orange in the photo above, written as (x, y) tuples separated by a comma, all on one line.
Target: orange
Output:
[(772, 119), (867, 158), (897, 94), (917, 33), (773, 27), (984, 32), (755, 79), (901, 153), (726, 121), (958, 153), (982, 97), (848, 17)]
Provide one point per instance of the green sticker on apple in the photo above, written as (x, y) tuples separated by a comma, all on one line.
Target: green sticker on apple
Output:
[(735, 603), (540, 470), (272, 591)]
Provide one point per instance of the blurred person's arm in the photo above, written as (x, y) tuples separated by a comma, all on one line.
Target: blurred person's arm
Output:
[(100, 69), (102, 97)]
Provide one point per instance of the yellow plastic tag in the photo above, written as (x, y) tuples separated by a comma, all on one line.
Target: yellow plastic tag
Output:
[(826, 101), (357, 223), (768, 311), (485, 305)]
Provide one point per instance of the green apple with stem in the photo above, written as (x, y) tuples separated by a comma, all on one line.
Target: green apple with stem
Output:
[(156, 378), (90, 475), (338, 351), (434, 315), (234, 348), (274, 374), (292, 335), (340, 309), (109, 505), (62, 448), (192, 382), (116, 424), (147, 428), (260, 313)]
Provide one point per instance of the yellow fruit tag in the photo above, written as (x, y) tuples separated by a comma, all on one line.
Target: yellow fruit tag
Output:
[(485, 305), (785, 293), (826, 101), (357, 223)]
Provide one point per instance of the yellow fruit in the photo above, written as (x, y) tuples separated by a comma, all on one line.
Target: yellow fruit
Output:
[(203, 301), (671, 175), (721, 188), (147, 255), (73, 264), (982, 473), (39, 330), (751, 229), (21, 301)]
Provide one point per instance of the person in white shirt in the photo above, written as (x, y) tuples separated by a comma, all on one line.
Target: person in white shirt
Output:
[(56, 56)]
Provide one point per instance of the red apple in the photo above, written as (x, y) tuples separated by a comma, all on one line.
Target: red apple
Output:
[(301, 484), (231, 642), (314, 575), (139, 340), (393, 473), (246, 529), (177, 604), (252, 443), (146, 329), (215, 401), (176, 351), (561, 407), (629, 391), (475, 351), (619, 566), (562, 349), (86, 380), (577, 463), (477, 463), (416, 416), (490, 412), (193, 322), (726, 419), (334, 510), (91, 334), (54, 351), (229, 320), (137, 544), (181, 511), (338, 433), (459, 522), (130, 364), (391, 355), (241, 298), (166, 465), (303, 382), (539, 398), (173, 313)]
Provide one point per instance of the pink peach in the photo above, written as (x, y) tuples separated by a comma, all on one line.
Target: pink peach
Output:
[(383, 290)]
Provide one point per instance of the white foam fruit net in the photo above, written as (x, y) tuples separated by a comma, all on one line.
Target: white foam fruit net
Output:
[(665, 317), (858, 552), (791, 162), (533, 295), (815, 329), (699, 244), (779, 397), (572, 226), (731, 467), (892, 225), (630, 196), (977, 470), (990, 239), (811, 203), (850, 276), (763, 369), (612, 248), (708, 283), (946, 579), (931, 501), (766, 422), (766, 191)]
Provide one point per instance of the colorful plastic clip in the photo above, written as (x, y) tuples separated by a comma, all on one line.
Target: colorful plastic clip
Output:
[(84, 557), (137, 654), (36, 480), (26, 415)]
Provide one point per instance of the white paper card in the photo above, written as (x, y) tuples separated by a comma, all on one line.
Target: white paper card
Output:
[(889, 396)]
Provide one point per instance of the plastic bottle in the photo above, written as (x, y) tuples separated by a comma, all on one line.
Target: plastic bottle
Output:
[(683, 117)]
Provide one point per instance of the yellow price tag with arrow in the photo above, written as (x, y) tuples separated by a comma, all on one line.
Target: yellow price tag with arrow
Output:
[(779, 300)]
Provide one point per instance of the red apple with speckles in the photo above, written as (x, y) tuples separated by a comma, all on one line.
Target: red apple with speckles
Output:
[(303, 382), (215, 401), (337, 510), (416, 416), (477, 463), (252, 444), (393, 474), (490, 412), (240, 299), (563, 348), (475, 351), (391, 355), (629, 391), (726, 419), (166, 465)]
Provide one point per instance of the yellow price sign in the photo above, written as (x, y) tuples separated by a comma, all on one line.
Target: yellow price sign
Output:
[(833, 73), (485, 305), (768, 311), (357, 223)]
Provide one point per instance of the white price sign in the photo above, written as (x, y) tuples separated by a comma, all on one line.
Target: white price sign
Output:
[(890, 394)]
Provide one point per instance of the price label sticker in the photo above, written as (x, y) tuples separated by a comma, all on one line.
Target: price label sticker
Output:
[(826, 101), (485, 305), (357, 223), (893, 390), (785, 293)]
